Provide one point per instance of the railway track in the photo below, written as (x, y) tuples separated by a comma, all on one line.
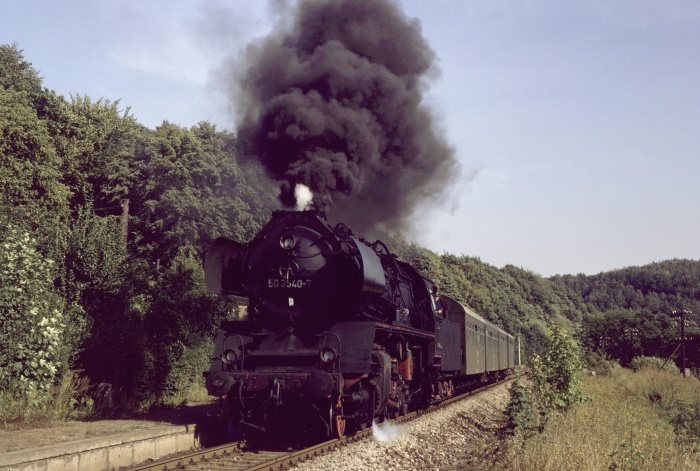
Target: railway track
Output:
[(236, 457)]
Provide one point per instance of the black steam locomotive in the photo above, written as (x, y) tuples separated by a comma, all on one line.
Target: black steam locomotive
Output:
[(338, 333)]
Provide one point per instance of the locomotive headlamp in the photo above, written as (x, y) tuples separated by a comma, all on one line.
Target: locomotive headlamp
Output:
[(287, 241), (229, 357), (328, 355)]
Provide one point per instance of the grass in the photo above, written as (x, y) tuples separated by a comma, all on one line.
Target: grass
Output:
[(634, 421), (69, 400), (72, 399), (194, 394), (676, 399)]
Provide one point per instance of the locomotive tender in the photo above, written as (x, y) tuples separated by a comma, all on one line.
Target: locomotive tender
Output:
[(339, 332)]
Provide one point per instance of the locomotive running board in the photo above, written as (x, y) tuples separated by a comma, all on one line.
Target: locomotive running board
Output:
[(405, 330)]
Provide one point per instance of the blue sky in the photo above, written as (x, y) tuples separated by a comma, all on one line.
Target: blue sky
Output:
[(579, 121)]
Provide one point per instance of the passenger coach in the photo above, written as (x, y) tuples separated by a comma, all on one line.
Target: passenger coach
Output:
[(485, 349)]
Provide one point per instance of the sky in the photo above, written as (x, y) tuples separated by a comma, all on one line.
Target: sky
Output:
[(576, 124)]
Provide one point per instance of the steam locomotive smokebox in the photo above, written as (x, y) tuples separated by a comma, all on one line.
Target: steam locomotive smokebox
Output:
[(298, 267)]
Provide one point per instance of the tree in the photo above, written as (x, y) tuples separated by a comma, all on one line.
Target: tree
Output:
[(98, 143), (613, 333), (182, 317), (660, 287), (30, 170), (189, 192), (16, 73), (657, 333), (624, 334)]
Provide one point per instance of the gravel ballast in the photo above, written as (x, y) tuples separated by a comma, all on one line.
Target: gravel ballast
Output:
[(450, 438)]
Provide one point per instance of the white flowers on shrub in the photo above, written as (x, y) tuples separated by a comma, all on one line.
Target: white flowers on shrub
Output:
[(31, 325)]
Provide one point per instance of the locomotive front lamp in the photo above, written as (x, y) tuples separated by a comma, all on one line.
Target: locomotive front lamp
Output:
[(229, 357), (287, 241), (328, 355)]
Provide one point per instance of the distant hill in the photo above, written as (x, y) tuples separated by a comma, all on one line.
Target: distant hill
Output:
[(636, 310), (658, 287)]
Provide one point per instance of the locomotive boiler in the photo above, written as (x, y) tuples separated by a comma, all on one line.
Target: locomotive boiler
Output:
[(338, 333)]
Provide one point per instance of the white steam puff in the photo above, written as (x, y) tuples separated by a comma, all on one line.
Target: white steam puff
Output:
[(304, 196), (388, 431)]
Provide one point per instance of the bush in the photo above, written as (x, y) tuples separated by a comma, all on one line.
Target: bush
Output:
[(185, 382), (556, 379), (519, 408), (32, 328), (655, 363), (599, 363), (557, 375)]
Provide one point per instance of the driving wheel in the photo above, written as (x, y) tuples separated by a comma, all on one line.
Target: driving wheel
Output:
[(337, 420)]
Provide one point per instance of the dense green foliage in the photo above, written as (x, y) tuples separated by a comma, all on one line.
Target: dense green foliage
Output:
[(75, 297), (599, 363), (557, 374), (657, 287), (624, 334)]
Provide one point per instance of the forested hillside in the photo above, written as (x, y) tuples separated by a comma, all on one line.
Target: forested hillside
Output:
[(658, 287), (103, 228), (637, 309)]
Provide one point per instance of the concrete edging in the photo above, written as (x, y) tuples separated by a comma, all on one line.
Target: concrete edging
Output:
[(105, 453)]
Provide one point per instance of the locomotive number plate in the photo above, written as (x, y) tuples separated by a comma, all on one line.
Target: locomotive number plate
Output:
[(283, 283)]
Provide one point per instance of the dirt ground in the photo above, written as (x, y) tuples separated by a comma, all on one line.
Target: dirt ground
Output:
[(21, 438)]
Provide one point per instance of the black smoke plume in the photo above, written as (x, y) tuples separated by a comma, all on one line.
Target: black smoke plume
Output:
[(334, 101)]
